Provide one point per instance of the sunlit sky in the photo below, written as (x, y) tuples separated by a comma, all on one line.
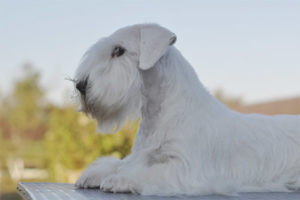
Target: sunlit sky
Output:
[(249, 48)]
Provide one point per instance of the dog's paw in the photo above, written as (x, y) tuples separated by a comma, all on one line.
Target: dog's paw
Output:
[(93, 176), (89, 179), (119, 183)]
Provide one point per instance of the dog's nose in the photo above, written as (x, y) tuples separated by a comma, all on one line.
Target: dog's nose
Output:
[(81, 86)]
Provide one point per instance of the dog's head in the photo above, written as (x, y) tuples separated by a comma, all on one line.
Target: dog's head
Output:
[(108, 78)]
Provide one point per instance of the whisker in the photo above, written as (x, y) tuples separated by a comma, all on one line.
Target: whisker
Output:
[(71, 79)]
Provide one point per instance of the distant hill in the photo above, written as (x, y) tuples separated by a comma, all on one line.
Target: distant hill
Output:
[(284, 106)]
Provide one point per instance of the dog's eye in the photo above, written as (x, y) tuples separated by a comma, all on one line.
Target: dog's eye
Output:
[(117, 51)]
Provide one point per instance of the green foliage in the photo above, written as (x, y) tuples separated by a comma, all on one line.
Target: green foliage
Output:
[(22, 110), (72, 143)]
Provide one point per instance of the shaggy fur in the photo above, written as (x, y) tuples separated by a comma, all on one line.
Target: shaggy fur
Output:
[(187, 142)]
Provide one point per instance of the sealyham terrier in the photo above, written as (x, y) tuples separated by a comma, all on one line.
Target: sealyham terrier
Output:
[(187, 142)]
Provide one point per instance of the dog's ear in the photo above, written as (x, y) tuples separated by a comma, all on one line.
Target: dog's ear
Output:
[(154, 41)]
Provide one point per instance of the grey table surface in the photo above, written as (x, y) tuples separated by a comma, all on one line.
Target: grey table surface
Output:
[(59, 191)]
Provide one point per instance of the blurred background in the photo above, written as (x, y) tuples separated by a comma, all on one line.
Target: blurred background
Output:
[(246, 53)]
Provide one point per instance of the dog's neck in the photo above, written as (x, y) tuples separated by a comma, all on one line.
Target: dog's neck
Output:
[(170, 90)]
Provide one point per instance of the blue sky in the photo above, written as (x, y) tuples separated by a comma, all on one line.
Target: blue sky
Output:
[(249, 48)]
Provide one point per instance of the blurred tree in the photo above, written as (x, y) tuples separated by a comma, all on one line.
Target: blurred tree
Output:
[(72, 143), (24, 109)]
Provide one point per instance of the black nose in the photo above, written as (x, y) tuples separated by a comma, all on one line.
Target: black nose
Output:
[(81, 86)]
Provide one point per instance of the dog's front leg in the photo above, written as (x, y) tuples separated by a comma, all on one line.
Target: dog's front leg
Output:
[(93, 176), (145, 175)]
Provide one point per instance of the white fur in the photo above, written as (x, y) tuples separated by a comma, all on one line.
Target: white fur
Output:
[(187, 141)]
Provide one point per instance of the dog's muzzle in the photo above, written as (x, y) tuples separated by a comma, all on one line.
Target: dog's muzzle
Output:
[(81, 86)]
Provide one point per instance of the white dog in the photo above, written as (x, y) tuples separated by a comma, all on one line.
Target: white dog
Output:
[(187, 141)]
